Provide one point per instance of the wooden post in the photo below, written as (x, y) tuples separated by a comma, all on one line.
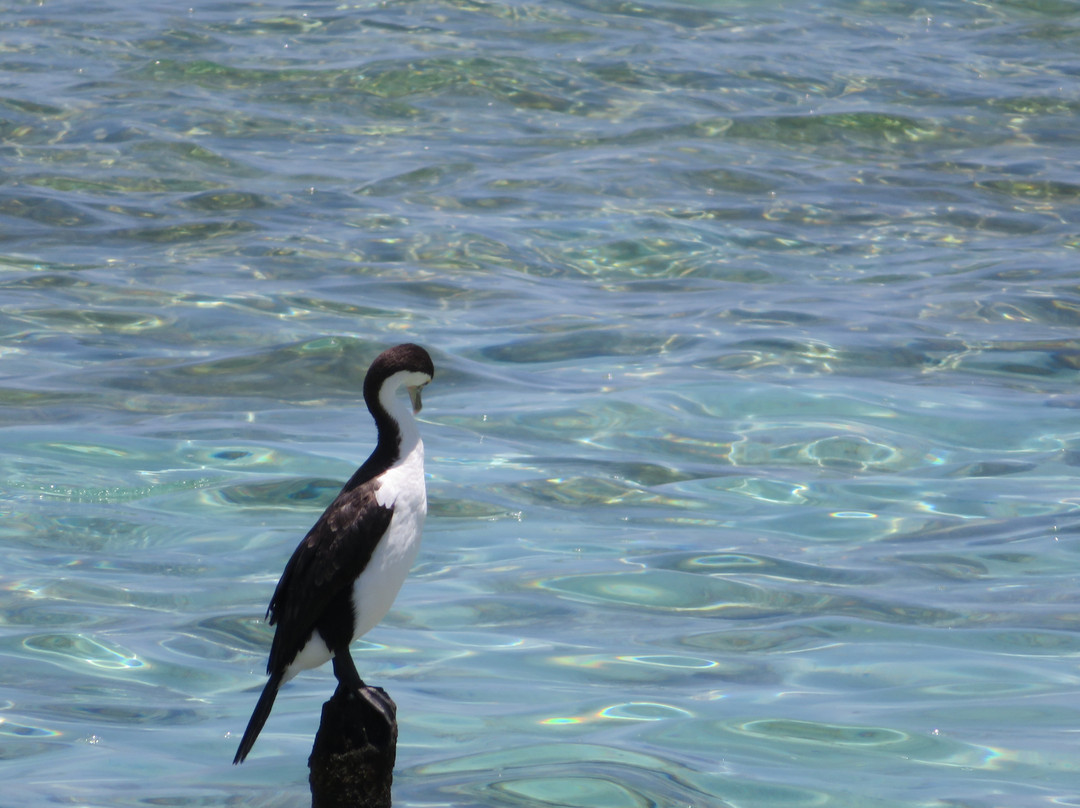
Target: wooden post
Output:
[(352, 760)]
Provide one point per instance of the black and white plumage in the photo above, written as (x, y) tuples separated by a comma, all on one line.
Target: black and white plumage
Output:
[(345, 574)]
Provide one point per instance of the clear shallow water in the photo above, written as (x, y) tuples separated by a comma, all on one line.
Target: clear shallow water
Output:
[(753, 442)]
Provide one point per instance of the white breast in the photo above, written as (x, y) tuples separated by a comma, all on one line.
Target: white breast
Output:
[(402, 488)]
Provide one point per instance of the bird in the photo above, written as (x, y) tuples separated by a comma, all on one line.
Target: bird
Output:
[(344, 575)]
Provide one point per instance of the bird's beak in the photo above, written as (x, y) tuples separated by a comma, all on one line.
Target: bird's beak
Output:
[(414, 397)]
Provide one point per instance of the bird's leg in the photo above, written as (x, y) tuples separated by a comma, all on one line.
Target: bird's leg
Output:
[(349, 679), (345, 671)]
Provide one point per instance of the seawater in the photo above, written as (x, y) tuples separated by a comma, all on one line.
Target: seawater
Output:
[(752, 446)]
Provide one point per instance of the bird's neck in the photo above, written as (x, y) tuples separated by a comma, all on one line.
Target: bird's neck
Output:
[(398, 436), (398, 433)]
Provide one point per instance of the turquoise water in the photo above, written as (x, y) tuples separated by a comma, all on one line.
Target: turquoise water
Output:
[(752, 446)]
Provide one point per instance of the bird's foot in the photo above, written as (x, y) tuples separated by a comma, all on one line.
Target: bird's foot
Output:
[(375, 697), (366, 714), (381, 702)]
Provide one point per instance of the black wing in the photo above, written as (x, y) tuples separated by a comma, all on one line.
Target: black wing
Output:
[(328, 560)]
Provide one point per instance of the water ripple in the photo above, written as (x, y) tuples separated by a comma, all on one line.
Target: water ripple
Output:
[(752, 443)]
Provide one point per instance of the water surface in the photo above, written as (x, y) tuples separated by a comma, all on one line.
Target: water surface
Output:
[(753, 437)]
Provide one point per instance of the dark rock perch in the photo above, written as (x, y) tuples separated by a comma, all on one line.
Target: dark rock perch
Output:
[(352, 761)]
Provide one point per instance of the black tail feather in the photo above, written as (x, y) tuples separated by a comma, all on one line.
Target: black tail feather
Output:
[(258, 717)]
